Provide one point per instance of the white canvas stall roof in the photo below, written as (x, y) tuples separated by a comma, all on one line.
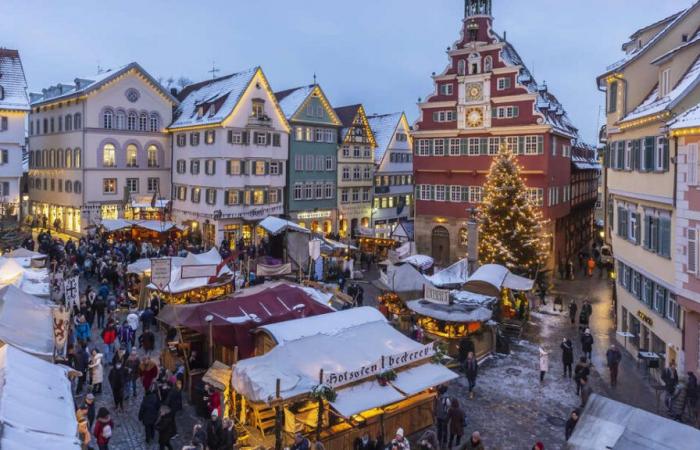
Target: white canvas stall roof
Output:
[(178, 284), (330, 244), (10, 271), (157, 225), (489, 279), (473, 299), (143, 265), (31, 281), (116, 224), (456, 274), (275, 225), (406, 249), (420, 261), (364, 396), (36, 403), (606, 423), (326, 324), (420, 378), (297, 364), (26, 321), (404, 278), (24, 253), (450, 313)]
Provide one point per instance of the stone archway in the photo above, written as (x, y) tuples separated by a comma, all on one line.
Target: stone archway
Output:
[(441, 246)]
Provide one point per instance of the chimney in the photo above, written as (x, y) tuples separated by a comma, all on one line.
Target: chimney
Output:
[(173, 91)]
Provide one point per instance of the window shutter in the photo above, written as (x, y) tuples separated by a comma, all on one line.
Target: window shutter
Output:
[(6, 187), (647, 232), (483, 146), (244, 167), (268, 138), (267, 168), (280, 165), (649, 153), (665, 155), (621, 155), (636, 155), (665, 237), (463, 146), (521, 145), (430, 152), (415, 146), (241, 197), (244, 137), (692, 251), (692, 165), (619, 220), (265, 197), (228, 167), (638, 228), (446, 147), (276, 140), (229, 136), (540, 145)]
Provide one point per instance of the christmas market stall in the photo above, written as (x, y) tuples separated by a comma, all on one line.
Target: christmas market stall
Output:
[(399, 284), (198, 278), (27, 322), (370, 244), (146, 207), (288, 243), (151, 231), (496, 280), (36, 403), (28, 258), (354, 373), (33, 281)]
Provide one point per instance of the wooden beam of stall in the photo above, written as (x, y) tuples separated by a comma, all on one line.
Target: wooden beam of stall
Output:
[(278, 418), (319, 422)]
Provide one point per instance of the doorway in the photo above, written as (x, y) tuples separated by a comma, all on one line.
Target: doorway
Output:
[(441, 246)]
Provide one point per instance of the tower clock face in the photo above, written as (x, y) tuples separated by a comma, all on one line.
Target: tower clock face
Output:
[(474, 91), (475, 118)]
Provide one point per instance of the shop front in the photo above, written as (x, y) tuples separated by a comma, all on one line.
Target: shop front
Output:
[(67, 218), (320, 221)]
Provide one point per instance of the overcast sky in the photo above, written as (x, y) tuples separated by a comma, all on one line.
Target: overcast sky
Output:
[(376, 52)]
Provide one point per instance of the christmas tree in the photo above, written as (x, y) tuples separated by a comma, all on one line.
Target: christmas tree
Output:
[(511, 227)]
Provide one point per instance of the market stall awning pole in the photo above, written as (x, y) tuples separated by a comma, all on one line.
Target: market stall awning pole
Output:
[(319, 421), (278, 417)]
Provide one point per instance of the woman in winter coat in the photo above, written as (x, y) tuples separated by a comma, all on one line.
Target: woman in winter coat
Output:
[(148, 413), (82, 329), (567, 355), (96, 371), (587, 344), (456, 420), (166, 428), (471, 370), (103, 429), (544, 363), (148, 371)]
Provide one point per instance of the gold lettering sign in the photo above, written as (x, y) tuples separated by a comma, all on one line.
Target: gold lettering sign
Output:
[(644, 318)]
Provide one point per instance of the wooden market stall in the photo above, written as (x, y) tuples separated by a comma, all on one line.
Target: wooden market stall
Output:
[(152, 231), (333, 377)]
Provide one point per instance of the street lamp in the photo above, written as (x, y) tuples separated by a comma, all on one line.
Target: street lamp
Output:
[(209, 319)]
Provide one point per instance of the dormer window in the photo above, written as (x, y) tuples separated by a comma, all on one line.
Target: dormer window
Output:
[(258, 108), (664, 83)]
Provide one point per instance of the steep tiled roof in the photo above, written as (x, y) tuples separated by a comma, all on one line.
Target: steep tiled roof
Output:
[(290, 100), (347, 114), (12, 81), (383, 126), (217, 98), (689, 119)]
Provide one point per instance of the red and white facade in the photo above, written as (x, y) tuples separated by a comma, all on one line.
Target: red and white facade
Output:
[(486, 98)]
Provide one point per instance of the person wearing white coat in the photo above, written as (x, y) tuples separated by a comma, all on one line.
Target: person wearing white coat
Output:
[(544, 363), (96, 371)]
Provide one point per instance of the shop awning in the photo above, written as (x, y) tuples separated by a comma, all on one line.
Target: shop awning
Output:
[(420, 378), (275, 225), (364, 396)]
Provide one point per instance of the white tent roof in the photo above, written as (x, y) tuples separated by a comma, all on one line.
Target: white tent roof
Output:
[(32, 281), (275, 225), (328, 324), (178, 284), (404, 278), (606, 423), (489, 279), (420, 261), (116, 224), (26, 321), (450, 313), (24, 253), (456, 274), (143, 265), (157, 225), (36, 403)]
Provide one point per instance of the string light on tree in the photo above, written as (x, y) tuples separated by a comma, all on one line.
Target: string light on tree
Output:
[(511, 227)]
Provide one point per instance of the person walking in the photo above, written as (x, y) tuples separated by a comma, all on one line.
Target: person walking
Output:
[(474, 442), (214, 430), (456, 421), (692, 395), (544, 363), (587, 344), (585, 315), (591, 266), (586, 392), (81, 361), (174, 397), (89, 405), (442, 408), (82, 330), (670, 379), (471, 371), (103, 429), (132, 367), (166, 427), (613, 357), (570, 424), (117, 381), (109, 335), (96, 372), (567, 356), (148, 414), (148, 372), (229, 435), (573, 307), (581, 371)]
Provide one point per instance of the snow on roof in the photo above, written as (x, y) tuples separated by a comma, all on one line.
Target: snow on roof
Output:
[(36, 403), (673, 51), (690, 118), (383, 126), (83, 85), (456, 274), (653, 104), (423, 262), (19, 309), (404, 278), (12, 81), (329, 324), (24, 253), (178, 284), (275, 225), (606, 423), (451, 313), (211, 101), (291, 100), (489, 279)]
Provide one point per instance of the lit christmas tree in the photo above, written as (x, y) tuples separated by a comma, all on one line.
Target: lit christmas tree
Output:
[(511, 227)]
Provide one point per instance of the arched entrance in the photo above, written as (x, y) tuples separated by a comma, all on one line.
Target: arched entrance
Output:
[(441, 246)]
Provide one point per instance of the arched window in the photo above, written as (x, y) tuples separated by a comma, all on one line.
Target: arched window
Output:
[(77, 121), (152, 153), (131, 156), (461, 67), (109, 155), (488, 64), (76, 158), (143, 122), (131, 121), (46, 126), (77, 187), (69, 158), (69, 123), (120, 120), (59, 158), (107, 119), (474, 63), (154, 123), (69, 186)]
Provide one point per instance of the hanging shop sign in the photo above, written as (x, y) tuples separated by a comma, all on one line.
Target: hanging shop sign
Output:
[(198, 271), (314, 215), (435, 295), (405, 358), (61, 321), (160, 272)]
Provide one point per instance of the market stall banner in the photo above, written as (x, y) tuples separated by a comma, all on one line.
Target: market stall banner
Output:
[(160, 272), (315, 249), (71, 291), (409, 357), (61, 319), (264, 270), (198, 271), (434, 295)]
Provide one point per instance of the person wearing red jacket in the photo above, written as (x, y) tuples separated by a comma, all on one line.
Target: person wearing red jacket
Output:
[(103, 429), (109, 335)]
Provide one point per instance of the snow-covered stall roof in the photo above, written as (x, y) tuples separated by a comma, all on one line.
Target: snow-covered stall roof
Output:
[(32, 281), (456, 274), (12, 81), (111, 225), (146, 201), (423, 262), (455, 312), (327, 324), (489, 279), (178, 284), (403, 278), (26, 322), (606, 423), (36, 403), (297, 365), (330, 245), (157, 225), (143, 265), (275, 225), (24, 256)]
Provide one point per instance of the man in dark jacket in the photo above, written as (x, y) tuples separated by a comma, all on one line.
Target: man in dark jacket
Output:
[(148, 413), (166, 427), (572, 311), (571, 424), (567, 355), (80, 363), (442, 408), (692, 393), (214, 428), (587, 344), (471, 370), (613, 357), (581, 371), (174, 398), (117, 381)]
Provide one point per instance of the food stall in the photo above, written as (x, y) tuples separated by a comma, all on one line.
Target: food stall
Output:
[(152, 231), (336, 378), (496, 280)]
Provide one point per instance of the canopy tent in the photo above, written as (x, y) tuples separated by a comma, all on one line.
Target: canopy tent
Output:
[(403, 278), (236, 317), (178, 284), (26, 322), (489, 279), (112, 225), (36, 403), (328, 324), (329, 245), (297, 365), (606, 423), (30, 280), (455, 275), (275, 226), (24, 256), (423, 262), (142, 266)]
